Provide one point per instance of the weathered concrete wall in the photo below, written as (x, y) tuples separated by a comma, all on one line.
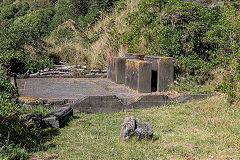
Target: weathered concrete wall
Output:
[(135, 56), (116, 69), (138, 75), (149, 101), (154, 60), (165, 73), (111, 69), (98, 104), (162, 72), (120, 69)]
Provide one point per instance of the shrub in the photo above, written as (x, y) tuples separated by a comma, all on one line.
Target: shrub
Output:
[(10, 11), (25, 31), (64, 12), (225, 37), (201, 39), (7, 108), (173, 28)]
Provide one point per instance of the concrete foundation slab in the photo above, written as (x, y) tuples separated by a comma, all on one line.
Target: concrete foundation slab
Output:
[(91, 95)]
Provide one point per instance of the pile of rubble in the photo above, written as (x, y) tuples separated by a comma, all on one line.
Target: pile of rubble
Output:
[(65, 70)]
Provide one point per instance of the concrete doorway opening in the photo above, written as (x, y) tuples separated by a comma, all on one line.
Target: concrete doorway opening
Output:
[(154, 81)]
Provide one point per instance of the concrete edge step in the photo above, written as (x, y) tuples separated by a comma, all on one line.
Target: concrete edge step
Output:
[(112, 103)]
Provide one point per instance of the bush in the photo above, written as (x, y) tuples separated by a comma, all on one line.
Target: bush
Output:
[(25, 31), (173, 28), (19, 142), (64, 12), (9, 11), (201, 39), (225, 37), (7, 108), (34, 65)]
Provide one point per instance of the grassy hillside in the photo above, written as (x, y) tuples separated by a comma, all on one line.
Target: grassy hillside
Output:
[(196, 130)]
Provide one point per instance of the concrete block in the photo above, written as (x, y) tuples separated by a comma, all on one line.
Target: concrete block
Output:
[(165, 73), (154, 60), (58, 117), (149, 101), (98, 104), (116, 69), (138, 75), (111, 69), (135, 56)]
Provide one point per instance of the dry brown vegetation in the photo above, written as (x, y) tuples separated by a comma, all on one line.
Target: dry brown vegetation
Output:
[(95, 53)]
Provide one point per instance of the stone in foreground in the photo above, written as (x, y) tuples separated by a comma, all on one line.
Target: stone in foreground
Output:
[(58, 117), (132, 127)]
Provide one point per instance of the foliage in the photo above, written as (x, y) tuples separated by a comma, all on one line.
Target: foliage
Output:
[(10, 11), (34, 65), (12, 42), (25, 24), (225, 36), (18, 142), (173, 28), (7, 108), (201, 39)]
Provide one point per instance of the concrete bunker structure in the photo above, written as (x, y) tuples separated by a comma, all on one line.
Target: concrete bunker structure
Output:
[(145, 74)]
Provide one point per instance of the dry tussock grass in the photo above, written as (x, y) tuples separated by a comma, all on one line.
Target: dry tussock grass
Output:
[(74, 53), (104, 46), (95, 54)]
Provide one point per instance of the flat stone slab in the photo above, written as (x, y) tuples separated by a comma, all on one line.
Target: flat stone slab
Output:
[(58, 117), (91, 95)]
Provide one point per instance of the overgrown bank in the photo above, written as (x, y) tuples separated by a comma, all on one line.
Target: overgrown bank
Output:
[(204, 39)]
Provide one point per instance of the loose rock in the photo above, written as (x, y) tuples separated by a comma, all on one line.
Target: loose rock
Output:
[(58, 117), (29, 121), (132, 127)]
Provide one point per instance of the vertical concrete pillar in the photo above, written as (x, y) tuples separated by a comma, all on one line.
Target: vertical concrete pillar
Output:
[(120, 69), (165, 73), (138, 75), (111, 69), (116, 69), (162, 72)]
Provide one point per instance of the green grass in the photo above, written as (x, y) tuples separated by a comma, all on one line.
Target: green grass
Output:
[(206, 129)]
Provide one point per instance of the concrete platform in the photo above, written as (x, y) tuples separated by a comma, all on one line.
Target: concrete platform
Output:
[(89, 95)]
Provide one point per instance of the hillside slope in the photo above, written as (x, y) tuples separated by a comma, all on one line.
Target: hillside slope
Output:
[(203, 36)]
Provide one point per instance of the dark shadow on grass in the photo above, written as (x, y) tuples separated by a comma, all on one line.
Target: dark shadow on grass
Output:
[(66, 122), (14, 134), (155, 138)]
